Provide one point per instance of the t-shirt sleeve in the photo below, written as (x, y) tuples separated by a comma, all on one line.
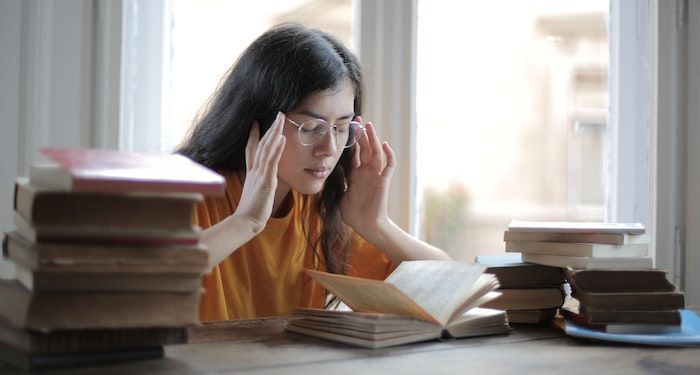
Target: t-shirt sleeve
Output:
[(368, 261)]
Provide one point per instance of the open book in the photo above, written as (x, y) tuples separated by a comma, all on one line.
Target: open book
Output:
[(420, 300)]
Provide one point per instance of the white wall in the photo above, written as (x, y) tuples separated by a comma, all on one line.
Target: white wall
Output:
[(49, 94)]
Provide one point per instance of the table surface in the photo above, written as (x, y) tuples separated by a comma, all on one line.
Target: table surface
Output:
[(262, 346)]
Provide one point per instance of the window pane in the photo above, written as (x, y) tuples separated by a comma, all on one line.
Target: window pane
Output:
[(208, 35), (512, 115)]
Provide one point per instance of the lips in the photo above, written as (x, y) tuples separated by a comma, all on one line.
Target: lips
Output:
[(319, 172)]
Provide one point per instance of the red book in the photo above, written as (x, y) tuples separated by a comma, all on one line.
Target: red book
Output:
[(115, 171)]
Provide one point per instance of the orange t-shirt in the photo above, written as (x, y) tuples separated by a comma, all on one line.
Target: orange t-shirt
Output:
[(265, 277)]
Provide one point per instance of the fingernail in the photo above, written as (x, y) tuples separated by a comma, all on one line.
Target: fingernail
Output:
[(279, 114)]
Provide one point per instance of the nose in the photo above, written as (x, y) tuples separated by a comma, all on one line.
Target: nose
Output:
[(327, 145)]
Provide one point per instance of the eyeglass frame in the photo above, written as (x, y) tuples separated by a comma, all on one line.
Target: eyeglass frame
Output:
[(334, 126)]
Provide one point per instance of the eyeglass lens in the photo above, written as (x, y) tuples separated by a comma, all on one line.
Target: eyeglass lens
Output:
[(345, 135)]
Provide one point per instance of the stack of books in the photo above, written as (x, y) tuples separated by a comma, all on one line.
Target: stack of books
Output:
[(624, 301), (530, 293), (108, 262), (580, 245)]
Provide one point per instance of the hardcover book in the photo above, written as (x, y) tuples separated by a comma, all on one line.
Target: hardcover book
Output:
[(614, 263), (47, 311), (578, 249), (600, 238), (44, 207), (513, 273), (420, 300), (527, 299), (115, 171), (621, 281), (575, 227)]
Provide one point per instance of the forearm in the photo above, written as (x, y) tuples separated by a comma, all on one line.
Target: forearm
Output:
[(225, 237), (400, 246)]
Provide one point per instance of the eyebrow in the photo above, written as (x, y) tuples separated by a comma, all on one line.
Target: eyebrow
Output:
[(313, 114)]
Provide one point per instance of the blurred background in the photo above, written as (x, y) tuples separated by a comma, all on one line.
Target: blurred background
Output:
[(511, 109)]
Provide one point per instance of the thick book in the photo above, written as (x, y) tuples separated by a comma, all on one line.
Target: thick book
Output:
[(93, 258), (575, 227), (377, 330), (47, 311), (616, 263), (41, 362), (657, 328), (511, 272), (527, 299), (51, 267), (600, 238), (44, 207), (628, 300), (89, 340), (530, 316), (116, 171), (60, 279), (104, 235), (620, 281), (654, 316), (438, 295), (578, 249), (689, 334)]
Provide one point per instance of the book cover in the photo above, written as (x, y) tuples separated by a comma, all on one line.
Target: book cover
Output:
[(513, 273), (527, 299), (115, 171), (47, 311), (105, 236), (581, 320), (689, 334), (95, 258), (575, 227), (628, 300), (616, 263), (621, 281), (89, 340), (530, 316), (654, 316), (601, 238), (144, 211), (578, 249)]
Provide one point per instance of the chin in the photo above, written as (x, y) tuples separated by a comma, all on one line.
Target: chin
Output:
[(309, 189)]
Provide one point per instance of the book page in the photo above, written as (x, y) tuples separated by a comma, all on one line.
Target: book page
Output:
[(440, 287), (365, 295)]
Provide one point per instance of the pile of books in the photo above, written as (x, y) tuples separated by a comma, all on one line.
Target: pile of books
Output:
[(624, 301), (530, 293), (580, 245), (108, 263), (613, 284)]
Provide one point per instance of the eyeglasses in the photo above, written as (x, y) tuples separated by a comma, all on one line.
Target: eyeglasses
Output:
[(312, 131)]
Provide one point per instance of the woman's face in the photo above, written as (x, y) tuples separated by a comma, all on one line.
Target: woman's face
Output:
[(305, 168)]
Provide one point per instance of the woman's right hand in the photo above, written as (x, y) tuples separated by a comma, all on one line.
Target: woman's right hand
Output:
[(262, 158)]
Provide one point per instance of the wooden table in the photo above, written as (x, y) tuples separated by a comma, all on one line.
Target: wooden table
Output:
[(263, 347)]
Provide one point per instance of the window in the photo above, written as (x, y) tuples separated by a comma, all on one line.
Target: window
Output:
[(511, 117), (207, 37)]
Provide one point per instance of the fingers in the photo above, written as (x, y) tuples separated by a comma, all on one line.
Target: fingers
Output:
[(390, 161), (377, 156), (262, 150), (252, 146)]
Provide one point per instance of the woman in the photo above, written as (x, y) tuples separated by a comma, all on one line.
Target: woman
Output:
[(310, 193)]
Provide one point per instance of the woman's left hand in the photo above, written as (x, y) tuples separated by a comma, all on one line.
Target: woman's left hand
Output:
[(364, 206)]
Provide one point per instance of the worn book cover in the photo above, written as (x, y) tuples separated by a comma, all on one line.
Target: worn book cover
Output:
[(47, 311), (621, 281), (578, 249), (44, 207), (513, 273), (116, 171)]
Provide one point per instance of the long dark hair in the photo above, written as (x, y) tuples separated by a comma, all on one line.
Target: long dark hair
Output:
[(275, 73)]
